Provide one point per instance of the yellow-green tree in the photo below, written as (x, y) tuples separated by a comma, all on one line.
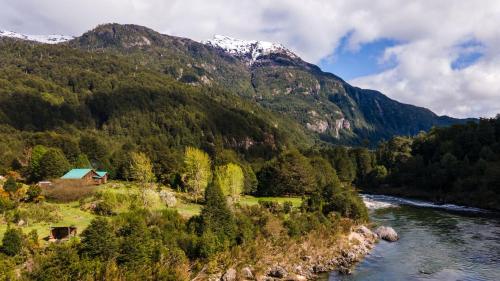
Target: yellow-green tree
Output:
[(141, 168), (198, 171), (231, 179)]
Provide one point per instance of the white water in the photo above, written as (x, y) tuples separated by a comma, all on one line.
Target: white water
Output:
[(374, 202)]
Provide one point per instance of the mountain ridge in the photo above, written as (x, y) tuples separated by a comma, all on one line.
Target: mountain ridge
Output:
[(270, 75)]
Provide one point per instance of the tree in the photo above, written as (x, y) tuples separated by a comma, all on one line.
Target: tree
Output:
[(141, 168), (34, 165), (10, 185), (198, 170), (231, 179), (217, 218), (94, 148), (82, 162), (53, 164), (99, 240), (12, 242), (290, 174)]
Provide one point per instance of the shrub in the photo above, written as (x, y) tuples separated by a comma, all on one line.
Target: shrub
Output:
[(303, 223), (12, 242), (34, 192), (6, 204), (99, 240), (272, 206), (287, 207), (41, 212), (103, 208)]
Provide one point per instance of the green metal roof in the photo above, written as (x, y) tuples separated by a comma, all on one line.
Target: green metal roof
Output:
[(101, 173), (76, 174)]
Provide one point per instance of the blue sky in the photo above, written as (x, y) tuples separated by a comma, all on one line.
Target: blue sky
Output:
[(349, 63)]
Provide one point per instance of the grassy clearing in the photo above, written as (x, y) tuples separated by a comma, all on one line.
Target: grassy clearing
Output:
[(251, 200), (121, 194), (71, 215)]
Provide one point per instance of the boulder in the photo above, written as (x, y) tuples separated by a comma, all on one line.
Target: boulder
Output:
[(230, 275), (295, 277), (277, 271), (168, 198), (246, 273), (387, 233)]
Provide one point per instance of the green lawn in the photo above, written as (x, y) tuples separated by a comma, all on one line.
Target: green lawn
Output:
[(251, 200), (71, 216)]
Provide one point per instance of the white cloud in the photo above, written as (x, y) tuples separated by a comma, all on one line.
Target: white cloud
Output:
[(432, 32)]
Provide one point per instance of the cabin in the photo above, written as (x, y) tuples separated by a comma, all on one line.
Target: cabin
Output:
[(62, 232), (86, 176)]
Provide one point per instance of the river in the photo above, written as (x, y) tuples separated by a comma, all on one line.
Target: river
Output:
[(444, 242)]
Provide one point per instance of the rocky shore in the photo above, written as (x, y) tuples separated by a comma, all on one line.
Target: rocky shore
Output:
[(352, 248)]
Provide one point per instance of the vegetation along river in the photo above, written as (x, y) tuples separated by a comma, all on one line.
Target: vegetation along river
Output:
[(436, 243)]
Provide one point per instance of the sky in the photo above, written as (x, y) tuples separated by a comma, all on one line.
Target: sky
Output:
[(439, 54)]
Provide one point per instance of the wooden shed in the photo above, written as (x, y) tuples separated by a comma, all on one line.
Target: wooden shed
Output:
[(62, 232)]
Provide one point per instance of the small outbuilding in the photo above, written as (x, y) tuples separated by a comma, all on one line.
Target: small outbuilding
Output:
[(62, 232)]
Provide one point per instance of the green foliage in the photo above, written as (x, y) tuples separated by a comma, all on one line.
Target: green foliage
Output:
[(230, 178), (53, 164), (289, 174), (197, 165), (219, 228), (11, 185), (82, 162), (35, 165), (99, 240), (33, 193), (458, 164), (141, 168), (12, 242)]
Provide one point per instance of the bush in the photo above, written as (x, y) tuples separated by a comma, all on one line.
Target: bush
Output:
[(303, 223), (6, 204), (271, 206), (12, 242), (34, 192), (41, 212), (103, 208), (348, 204), (287, 207)]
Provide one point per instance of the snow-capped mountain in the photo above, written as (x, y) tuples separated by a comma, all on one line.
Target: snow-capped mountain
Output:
[(47, 39), (250, 50)]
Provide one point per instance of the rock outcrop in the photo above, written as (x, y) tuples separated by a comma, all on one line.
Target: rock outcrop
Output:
[(387, 233)]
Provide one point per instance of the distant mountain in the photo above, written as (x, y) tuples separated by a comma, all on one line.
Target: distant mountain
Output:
[(247, 50), (47, 39), (270, 75)]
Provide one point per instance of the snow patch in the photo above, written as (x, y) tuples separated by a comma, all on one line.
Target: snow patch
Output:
[(46, 39), (247, 49)]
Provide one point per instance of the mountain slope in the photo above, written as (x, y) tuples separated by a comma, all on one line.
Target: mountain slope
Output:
[(270, 75)]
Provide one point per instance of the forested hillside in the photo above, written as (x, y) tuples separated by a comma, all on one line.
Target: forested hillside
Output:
[(459, 164), (320, 102)]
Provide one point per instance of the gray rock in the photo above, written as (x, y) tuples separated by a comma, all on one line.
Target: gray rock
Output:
[(230, 275), (246, 273), (345, 270), (295, 277), (277, 271), (387, 233)]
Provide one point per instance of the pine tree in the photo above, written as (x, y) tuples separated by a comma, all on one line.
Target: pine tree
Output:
[(217, 217), (99, 240)]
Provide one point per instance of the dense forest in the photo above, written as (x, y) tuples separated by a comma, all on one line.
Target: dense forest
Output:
[(458, 164)]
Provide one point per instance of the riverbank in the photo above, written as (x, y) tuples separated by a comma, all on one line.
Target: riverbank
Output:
[(437, 242), (304, 259)]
